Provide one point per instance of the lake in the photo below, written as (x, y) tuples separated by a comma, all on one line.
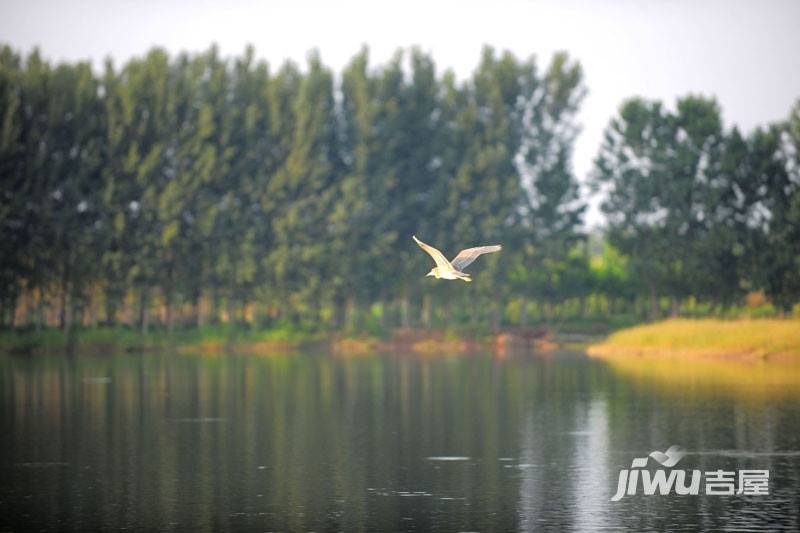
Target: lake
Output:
[(389, 442)]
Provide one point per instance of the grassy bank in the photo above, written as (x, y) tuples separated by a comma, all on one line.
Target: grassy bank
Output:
[(203, 339), (224, 338), (221, 338), (743, 339), (739, 339)]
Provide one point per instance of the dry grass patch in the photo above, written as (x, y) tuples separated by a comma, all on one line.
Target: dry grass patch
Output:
[(745, 339)]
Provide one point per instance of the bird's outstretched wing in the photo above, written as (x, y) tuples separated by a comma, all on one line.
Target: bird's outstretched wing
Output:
[(441, 260), (466, 257)]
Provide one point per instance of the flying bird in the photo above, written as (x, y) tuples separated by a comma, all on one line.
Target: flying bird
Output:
[(445, 269)]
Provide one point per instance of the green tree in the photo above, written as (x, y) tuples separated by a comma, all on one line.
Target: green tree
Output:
[(302, 191), (775, 210), (660, 171), (16, 212)]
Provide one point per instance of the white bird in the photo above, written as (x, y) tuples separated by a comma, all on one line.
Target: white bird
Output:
[(445, 269)]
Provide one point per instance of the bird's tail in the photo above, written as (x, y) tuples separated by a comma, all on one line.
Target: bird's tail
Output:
[(464, 277)]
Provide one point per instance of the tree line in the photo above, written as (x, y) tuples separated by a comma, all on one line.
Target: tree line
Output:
[(195, 188), (700, 211)]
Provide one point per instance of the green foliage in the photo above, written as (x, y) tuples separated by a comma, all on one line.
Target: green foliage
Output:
[(697, 210), (198, 190)]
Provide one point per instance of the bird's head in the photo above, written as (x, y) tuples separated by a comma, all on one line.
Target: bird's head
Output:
[(432, 273)]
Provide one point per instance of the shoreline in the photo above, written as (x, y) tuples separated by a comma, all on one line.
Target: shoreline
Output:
[(744, 355), (402, 340), (740, 340)]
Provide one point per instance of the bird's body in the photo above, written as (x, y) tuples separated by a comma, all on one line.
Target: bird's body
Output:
[(449, 274), (445, 269)]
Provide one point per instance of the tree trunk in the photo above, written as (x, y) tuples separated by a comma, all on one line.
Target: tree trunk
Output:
[(496, 318), (523, 312), (69, 314), (404, 311), (214, 314), (474, 314), (230, 308), (674, 306), (78, 309), (243, 310), (12, 317), (384, 313), (168, 311), (653, 301), (66, 313), (350, 312), (197, 302), (143, 314), (92, 309), (62, 312), (38, 318), (338, 318), (425, 311), (111, 306)]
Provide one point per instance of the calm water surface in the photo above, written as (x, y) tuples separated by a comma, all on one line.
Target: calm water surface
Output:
[(386, 442)]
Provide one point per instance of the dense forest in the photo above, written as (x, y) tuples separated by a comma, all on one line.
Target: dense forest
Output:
[(194, 189)]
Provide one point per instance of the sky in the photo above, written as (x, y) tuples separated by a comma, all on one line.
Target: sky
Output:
[(746, 53)]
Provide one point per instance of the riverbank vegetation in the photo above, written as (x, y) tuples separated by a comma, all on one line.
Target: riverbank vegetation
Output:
[(122, 338), (744, 339), (174, 196)]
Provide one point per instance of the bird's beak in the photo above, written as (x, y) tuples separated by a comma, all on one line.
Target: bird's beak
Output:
[(428, 274)]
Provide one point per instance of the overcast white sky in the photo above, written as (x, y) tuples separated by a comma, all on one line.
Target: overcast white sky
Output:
[(746, 53)]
